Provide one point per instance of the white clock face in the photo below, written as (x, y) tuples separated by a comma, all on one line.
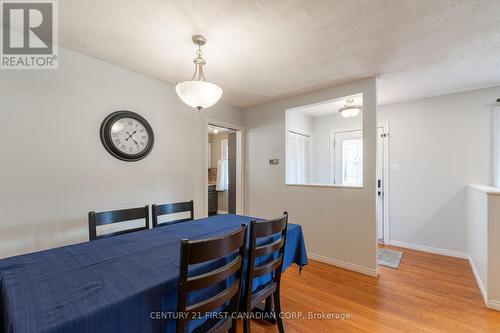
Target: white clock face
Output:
[(129, 136)]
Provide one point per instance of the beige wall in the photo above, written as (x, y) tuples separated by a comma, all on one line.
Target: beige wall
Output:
[(339, 223), (54, 169)]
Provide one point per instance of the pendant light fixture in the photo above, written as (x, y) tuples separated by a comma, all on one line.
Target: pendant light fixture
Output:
[(350, 109), (197, 92)]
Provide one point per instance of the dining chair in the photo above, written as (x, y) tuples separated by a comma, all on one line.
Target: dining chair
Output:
[(117, 216), (267, 240), (195, 252), (172, 208)]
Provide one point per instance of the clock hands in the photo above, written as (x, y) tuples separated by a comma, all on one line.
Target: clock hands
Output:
[(131, 136)]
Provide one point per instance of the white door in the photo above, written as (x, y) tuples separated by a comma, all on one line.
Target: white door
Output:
[(381, 182), (348, 158)]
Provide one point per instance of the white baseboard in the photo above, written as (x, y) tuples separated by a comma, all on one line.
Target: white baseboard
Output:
[(490, 303), (435, 250), (478, 280), (494, 305), (344, 264), (221, 212)]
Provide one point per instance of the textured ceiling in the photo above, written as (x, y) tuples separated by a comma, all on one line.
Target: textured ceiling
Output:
[(259, 51)]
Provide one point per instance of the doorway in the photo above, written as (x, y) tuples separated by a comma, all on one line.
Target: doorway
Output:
[(223, 168), (382, 175), (347, 169)]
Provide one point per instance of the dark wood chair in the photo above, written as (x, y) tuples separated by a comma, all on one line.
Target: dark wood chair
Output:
[(178, 207), (275, 230), (116, 216), (205, 250)]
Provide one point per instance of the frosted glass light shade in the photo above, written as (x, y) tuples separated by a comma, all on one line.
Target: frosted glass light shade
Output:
[(349, 111), (199, 94)]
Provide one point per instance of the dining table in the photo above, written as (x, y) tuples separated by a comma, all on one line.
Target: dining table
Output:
[(125, 283)]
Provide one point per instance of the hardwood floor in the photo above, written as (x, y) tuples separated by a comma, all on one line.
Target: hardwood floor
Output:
[(428, 293)]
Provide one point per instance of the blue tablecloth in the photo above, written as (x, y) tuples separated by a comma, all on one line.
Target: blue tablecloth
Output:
[(109, 285)]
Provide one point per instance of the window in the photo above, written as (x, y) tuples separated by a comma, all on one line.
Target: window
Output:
[(298, 159), (225, 159), (311, 133), (352, 162)]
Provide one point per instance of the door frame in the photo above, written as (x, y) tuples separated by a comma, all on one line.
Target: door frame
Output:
[(386, 180), (240, 166), (385, 172)]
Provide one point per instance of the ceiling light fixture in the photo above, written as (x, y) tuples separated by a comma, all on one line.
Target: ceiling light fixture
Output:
[(350, 109), (197, 92)]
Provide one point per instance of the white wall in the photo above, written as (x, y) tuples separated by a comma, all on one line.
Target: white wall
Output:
[(494, 250), (477, 234), (54, 169), (322, 127), (495, 128), (298, 120), (483, 240), (335, 228), (441, 144)]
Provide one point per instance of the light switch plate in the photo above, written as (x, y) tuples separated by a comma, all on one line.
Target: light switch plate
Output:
[(394, 166)]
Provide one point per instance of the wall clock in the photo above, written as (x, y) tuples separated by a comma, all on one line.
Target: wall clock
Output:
[(127, 136)]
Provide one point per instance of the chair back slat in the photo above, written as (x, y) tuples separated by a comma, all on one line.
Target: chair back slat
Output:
[(273, 231), (215, 301), (269, 227), (121, 232), (269, 267), (121, 215), (117, 216), (208, 250), (172, 208), (269, 248), (211, 278)]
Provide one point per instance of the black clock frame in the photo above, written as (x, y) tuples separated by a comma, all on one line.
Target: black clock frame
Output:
[(107, 142)]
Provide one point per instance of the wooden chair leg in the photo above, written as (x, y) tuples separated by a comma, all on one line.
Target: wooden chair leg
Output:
[(269, 304), (277, 311), (234, 327), (246, 325)]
